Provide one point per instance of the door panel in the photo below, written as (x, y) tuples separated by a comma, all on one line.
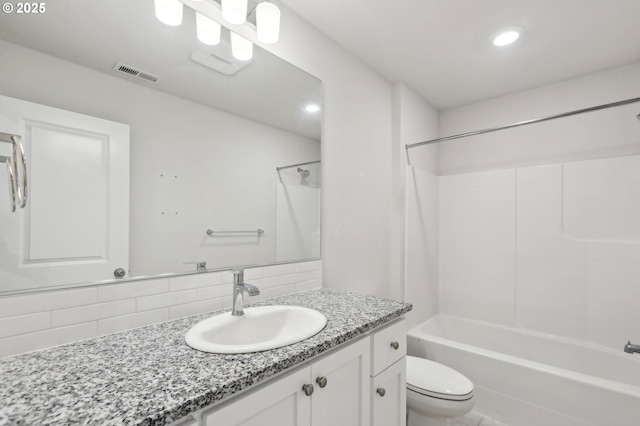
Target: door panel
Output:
[(69, 203), (75, 227)]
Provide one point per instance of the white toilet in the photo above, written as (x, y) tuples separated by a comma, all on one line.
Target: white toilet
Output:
[(436, 393)]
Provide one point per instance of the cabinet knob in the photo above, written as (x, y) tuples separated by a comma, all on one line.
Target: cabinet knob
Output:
[(395, 345), (307, 389), (321, 381), (381, 391)]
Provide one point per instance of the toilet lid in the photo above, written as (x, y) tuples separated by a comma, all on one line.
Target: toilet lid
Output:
[(437, 380)]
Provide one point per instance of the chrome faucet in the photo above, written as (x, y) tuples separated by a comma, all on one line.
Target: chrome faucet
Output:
[(631, 348), (239, 287)]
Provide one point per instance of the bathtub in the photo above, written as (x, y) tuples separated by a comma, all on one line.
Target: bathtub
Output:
[(525, 378)]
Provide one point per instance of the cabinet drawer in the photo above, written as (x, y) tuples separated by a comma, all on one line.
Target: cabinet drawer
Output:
[(384, 343)]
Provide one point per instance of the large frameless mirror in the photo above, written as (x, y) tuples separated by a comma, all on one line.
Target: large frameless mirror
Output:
[(149, 152)]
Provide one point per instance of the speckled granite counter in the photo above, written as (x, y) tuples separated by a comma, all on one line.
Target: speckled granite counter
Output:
[(149, 376)]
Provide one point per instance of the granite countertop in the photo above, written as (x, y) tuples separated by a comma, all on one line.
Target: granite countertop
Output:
[(149, 376)]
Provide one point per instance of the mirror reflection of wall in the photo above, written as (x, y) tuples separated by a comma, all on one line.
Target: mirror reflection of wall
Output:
[(193, 165), (298, 211)]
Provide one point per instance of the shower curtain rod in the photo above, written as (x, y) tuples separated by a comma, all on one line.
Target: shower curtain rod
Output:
[(521, 123), (299, 164)]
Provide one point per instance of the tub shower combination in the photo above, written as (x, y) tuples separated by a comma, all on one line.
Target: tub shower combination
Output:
[(511, 347), (525, 378)]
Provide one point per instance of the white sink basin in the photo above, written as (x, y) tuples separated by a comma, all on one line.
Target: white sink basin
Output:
[(259, 329)]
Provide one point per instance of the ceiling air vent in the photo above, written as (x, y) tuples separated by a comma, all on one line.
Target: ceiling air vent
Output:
[(136, 73)]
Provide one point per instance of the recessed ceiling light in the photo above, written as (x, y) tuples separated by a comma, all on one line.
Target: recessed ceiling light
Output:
[(507, 36), (312, 108)]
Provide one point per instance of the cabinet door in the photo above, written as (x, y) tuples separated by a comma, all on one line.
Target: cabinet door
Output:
[(344, 399), (281, 403), (388, 396), (191, 420)]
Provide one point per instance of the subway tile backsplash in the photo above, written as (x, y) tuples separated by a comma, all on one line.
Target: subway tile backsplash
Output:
[(37, 321), (47, 301), (132, 289)]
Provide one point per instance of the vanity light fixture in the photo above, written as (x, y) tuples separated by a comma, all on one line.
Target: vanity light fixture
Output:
[(207, 29), (268, 22), (241, 48), (234, 11), (267, 26), (267, 18), (507, 36), (312, 108), (169, 12)]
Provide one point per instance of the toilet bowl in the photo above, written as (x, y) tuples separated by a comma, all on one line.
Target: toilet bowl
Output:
[(436, 393)]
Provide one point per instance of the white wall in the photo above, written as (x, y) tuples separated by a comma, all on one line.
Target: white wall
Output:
[(539, 226), (356, 160), (590, 135), (415, 203)]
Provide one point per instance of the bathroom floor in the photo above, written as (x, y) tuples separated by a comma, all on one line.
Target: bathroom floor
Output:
[(476, 419)]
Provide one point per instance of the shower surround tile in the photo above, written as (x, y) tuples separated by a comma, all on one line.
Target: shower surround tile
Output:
[(477, 249), (572, 248)]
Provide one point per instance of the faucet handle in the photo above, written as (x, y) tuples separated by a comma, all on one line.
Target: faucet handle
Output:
[(238, 275)]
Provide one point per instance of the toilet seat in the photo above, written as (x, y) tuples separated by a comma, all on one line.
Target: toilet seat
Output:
[(435, 380)]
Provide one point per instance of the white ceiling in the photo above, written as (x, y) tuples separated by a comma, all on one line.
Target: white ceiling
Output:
[(442, 48)]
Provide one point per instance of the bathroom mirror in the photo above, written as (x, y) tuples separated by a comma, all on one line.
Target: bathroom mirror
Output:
[(221, 163)]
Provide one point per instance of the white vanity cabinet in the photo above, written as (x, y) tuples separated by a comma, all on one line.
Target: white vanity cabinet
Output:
[(281, 403), (334, 390), (360, 384), (388, 375), (341, 387)]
